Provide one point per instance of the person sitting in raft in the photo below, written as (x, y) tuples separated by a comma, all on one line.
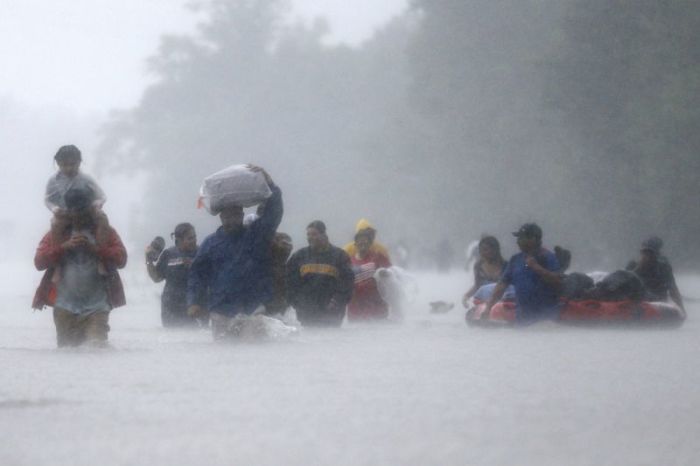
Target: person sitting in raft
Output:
[(656, 273), (366, 302), (488, 268), (534, 273)]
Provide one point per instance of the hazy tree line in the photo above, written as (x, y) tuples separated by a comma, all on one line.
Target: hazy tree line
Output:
[(457, 118)]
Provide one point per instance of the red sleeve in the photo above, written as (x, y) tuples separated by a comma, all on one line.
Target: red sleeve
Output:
[(48, 253), (113, 252)]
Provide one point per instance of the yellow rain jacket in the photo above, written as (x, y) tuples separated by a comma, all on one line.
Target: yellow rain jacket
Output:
[(377, 247)]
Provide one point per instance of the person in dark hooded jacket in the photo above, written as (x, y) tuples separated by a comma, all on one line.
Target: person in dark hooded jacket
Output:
[(319, 280), (233, 266)]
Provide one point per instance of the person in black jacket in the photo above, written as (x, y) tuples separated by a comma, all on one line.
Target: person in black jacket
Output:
[(319, 280), (173, 265)]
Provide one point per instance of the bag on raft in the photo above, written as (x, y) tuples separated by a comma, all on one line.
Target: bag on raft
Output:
[(236, 185), (577, 285), (620, 285)]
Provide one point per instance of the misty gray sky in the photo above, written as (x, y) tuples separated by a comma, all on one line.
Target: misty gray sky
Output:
[(54, 51)]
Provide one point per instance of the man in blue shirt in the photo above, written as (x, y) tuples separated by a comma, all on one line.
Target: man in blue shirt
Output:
[(534, 273), (233, 266)]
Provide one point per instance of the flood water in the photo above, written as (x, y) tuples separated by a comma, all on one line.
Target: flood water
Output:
[(429, 391)]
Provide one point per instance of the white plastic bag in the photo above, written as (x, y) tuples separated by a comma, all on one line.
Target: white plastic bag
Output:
[(397, 288), (234, 185)]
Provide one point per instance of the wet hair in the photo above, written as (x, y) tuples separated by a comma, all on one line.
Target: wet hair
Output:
[(370, 232), (492, 242), (181, 230), (653, 244), (77, 199), (69, 152), (284, 237), (367, 233), (318, 225)]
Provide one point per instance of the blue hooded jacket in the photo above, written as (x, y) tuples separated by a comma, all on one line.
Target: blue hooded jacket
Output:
[(234, 270)]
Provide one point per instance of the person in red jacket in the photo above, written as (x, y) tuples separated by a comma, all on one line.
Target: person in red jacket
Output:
[(81, 282), (366, 302)]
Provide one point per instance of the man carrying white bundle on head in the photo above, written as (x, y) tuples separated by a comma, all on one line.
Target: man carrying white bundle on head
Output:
[(233, 266)]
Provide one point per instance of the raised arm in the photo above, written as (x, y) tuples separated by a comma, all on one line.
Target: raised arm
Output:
[(272, 210), (154, 269)]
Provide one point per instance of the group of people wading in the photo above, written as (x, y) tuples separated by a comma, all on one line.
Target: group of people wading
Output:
[(247, 267), (243, 268)]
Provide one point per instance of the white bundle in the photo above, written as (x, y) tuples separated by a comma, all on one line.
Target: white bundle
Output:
[(397, 288), (235, 185)]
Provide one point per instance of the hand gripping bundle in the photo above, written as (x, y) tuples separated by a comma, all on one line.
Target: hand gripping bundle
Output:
[(236, 185)]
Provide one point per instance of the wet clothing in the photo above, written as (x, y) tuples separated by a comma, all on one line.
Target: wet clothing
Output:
[(75, 329), (316, 277), (535, 299), (59, 184), (173, 265), (657, 278), (366, 302), (81, 288), (234, 269), (50, 255), (481, 277), (376, 247)]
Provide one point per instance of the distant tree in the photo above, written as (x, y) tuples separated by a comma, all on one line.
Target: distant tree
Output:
[(250, 89), (477, 83), (626, 80)]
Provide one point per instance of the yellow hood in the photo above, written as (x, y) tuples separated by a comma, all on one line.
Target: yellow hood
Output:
[(363, 224)]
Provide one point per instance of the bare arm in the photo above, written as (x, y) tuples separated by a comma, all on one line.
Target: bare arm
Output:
[(497, 294), (153, 272)]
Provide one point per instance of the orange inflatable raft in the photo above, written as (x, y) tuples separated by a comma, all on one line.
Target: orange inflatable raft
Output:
[(587, 312)]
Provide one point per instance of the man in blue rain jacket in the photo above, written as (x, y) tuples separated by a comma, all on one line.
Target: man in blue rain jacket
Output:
[(233, 266)]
